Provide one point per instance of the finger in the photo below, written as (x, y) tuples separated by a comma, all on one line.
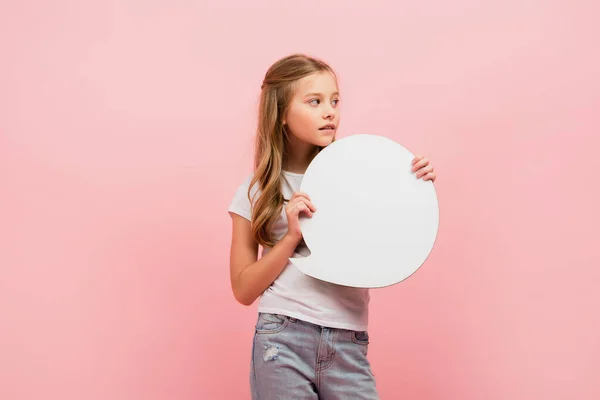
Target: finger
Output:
[(308, 203), (301, 207), (311, 206), (417, 158), (295, 199), (424, 171), (422, 163), (300, 194), (430, 177)]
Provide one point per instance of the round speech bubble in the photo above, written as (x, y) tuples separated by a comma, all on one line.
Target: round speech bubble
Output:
[(375, 223)]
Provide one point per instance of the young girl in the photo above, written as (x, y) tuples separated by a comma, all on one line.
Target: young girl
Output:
[(311, 336)]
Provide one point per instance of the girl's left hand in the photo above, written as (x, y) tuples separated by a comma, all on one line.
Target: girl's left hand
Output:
[(423, 169)]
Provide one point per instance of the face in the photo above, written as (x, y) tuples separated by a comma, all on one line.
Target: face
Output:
[(313, 116)]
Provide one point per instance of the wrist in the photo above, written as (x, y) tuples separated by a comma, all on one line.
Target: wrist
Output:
[(291, 239)]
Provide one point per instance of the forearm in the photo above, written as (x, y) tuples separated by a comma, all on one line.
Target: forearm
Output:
[(255, 278)]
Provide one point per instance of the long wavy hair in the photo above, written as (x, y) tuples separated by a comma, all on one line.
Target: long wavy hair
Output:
[(271, 144)]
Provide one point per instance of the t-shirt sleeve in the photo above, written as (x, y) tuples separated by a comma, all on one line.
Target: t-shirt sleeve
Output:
[(240, 204)]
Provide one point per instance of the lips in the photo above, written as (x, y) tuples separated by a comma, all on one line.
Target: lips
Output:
[(327, 127)]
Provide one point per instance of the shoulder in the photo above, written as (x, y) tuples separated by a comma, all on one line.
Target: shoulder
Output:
[(240, 204), (245, 185)]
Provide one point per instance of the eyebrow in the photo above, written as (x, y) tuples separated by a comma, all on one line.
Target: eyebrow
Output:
[(320, 94)]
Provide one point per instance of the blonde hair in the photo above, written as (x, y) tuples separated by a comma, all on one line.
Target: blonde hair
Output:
[(272, 138)]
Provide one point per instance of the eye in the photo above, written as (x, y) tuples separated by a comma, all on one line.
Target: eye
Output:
[(313, 100), (336, 101)]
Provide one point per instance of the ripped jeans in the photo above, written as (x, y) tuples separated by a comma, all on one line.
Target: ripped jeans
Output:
[(294, 359)]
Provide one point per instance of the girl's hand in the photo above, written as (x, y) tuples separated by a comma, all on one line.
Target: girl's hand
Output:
[(299, 203), (423, 169)]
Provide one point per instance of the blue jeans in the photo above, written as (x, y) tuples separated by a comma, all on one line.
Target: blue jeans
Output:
[(297, 360)]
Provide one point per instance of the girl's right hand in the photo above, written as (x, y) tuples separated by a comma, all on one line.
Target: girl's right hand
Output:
[(299, 203)]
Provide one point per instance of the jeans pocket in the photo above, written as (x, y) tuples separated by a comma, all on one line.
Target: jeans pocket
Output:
[(360, 337), (271, 323)]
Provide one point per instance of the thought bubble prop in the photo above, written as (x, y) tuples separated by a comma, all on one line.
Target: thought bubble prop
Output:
[(375, 223)]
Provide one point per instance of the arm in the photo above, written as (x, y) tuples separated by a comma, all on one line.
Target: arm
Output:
[(249, 277)]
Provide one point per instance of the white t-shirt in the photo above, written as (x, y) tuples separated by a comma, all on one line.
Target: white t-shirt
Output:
[(298, 295)]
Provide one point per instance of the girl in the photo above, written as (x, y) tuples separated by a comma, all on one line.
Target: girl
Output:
[(311, 336)]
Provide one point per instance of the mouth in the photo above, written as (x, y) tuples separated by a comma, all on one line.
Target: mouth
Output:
[(327, 128)]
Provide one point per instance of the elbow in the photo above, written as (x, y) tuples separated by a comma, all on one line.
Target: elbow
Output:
[(243, 298), (241, 292), (245, 302)]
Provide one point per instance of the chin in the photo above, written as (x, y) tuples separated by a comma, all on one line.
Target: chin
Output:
[(325, 140)]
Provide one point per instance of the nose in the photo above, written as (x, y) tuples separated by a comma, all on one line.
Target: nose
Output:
[(329, 113)]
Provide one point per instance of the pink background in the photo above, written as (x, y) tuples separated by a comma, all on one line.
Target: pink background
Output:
[(125, 127)]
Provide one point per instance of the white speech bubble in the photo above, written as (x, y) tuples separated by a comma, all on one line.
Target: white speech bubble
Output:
[(375, 223)]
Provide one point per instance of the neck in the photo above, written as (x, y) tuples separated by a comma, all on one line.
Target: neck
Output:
[(299, 155)]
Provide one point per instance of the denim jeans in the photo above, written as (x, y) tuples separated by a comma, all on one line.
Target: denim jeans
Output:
[(297, 360)]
